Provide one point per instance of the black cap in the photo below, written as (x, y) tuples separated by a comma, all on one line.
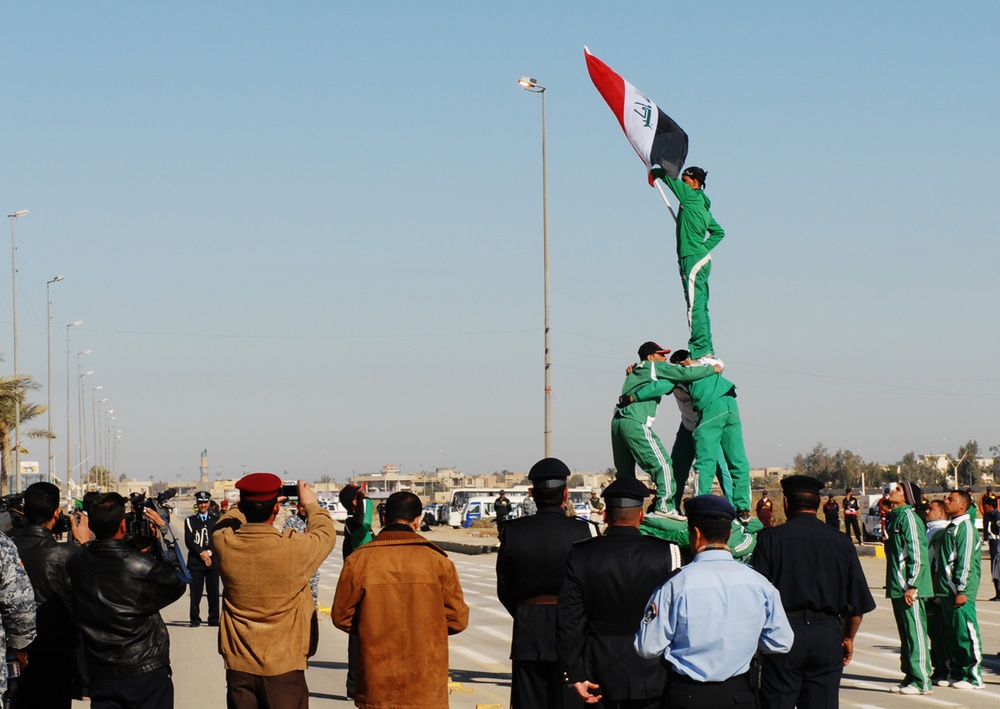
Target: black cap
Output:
[(648, 348), (548, 472), (202, 496), (911, 493), (709, 506), (697, 173), (625, 492), (801, 483)]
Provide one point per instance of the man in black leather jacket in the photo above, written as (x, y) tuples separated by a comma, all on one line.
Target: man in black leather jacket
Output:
[(117, 595), (48, 679)]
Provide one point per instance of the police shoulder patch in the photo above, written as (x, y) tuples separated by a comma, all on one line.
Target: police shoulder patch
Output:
[(650, 615)]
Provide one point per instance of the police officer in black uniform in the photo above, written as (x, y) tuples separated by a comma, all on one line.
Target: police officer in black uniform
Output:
[(198, 530), (608, 582), (824, 593), (501, 506), (531, 563)]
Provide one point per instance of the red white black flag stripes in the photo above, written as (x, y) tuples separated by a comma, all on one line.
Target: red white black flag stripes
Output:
[(657, 139)]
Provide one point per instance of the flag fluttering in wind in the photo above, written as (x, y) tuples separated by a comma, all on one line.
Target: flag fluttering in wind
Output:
[(657, 139)]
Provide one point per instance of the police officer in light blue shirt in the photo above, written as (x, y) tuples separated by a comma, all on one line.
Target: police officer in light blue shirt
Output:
[(711, 617)]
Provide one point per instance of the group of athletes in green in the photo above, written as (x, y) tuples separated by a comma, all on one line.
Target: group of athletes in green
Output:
[(932, 573), (710, 434)]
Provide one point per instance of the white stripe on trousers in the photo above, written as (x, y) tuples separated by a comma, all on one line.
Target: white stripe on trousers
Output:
[(692, 277)]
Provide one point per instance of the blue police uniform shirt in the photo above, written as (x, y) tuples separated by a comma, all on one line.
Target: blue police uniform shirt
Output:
[(709, 619)]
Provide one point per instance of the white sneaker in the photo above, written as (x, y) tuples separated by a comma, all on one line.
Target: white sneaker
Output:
[(943, 682), (669, 514), (910, 689), (896, 687), (963, 684)]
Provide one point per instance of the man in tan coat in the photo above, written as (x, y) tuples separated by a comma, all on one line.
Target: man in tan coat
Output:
[(401, 595), (268, 625)]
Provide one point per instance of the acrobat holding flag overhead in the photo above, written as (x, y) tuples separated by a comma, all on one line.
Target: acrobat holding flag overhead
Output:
[(663, 145)]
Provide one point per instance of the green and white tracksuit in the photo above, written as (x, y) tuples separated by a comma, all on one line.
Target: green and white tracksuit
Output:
[(633, 441), (936, 630), (694, 221), (682, 454), (906, 567), (719, 430), (960, 558)]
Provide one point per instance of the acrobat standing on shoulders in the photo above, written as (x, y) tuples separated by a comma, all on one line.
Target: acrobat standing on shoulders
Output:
[(697, 234)]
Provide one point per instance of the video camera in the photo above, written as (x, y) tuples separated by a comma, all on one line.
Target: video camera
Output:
[(139, 530), (12, 519)]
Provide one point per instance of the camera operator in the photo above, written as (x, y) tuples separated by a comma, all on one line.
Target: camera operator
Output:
[(117, 595), (50, 678)]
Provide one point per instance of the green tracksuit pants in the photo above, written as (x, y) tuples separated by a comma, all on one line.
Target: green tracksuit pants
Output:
[(914, 650), (966, 647), (695, 271), (720, 430), (940, 643), (634, 443), (682, 456)]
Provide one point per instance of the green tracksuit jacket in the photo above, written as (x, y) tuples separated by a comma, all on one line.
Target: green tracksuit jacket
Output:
[(661, 375), (960, 559), (906, 564), (694, 220), (633, 441), (906, 567)]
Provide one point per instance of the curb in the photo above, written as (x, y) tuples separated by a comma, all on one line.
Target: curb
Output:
[(471, 549)]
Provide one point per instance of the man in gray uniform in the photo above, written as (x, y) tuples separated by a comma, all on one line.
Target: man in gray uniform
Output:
[(17, 607)]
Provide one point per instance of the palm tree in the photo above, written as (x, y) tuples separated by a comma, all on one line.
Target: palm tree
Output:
[(13, 390)]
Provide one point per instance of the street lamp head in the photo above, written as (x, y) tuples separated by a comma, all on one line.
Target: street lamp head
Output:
[(74, 324), (531, 85), (19, 213), (56, 279), (87, 374)]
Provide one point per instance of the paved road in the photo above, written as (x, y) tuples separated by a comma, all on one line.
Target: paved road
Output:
[(481, 671)]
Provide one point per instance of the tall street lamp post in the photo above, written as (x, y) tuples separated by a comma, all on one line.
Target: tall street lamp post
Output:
[(534, 87), (17, 384), (69, 447), (97, 422), (48, 335), (81, 434)]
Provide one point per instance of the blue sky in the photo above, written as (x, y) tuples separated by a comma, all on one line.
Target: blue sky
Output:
[(308, 237)]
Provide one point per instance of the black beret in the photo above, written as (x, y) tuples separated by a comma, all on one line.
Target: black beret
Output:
[(709, 506), (625, 492), (549, 472), (801, 483)]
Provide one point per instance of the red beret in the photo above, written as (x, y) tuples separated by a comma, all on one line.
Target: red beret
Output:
[(259, 486)]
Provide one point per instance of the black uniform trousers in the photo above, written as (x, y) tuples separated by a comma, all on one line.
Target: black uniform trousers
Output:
[(204, 579), (536, 684), (851, 523), (808, 675), (685, 693)]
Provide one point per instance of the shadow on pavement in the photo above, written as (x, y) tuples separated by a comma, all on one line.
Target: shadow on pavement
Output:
[(501, 679)]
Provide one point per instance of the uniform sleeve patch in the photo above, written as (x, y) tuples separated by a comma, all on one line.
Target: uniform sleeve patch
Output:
[(650, 615)]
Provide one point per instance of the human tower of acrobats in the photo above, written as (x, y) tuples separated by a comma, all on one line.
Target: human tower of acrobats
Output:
[(710, 433)]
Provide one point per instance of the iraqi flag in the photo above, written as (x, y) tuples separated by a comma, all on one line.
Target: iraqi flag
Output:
[(653, 134)]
